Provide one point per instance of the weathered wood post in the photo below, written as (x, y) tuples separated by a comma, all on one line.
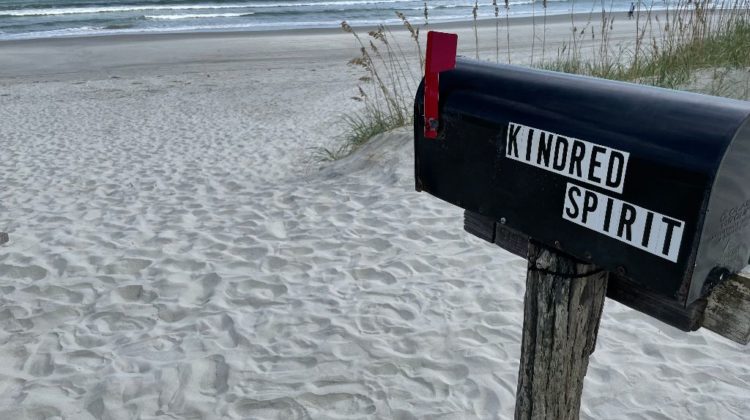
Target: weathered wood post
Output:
[(4, 238), (728, 309), (562, 308)]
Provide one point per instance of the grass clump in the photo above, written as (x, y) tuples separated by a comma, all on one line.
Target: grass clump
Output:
[(684, 41), (386, 90), (361, 127), (672, 68)]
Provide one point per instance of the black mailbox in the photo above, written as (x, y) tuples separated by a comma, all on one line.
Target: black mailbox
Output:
[(649, 183)]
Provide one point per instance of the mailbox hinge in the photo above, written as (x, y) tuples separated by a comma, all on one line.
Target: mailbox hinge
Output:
[(440, 56)]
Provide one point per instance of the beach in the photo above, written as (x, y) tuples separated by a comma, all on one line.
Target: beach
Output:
[(176, 252)]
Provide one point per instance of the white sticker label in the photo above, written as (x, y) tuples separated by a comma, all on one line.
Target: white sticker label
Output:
[(642, 228), (578, 159)]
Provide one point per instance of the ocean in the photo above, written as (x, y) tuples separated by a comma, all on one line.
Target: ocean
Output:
[(21, 19)]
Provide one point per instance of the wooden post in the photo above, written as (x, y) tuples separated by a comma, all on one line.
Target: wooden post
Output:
[(728, 309), (562, 308), (4, 238)]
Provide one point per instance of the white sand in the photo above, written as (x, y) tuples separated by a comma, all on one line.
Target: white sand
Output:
[(174, 254)]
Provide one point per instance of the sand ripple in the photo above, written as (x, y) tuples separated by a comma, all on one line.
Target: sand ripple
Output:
[(171, 257)]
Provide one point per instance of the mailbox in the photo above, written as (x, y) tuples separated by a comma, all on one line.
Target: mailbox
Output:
[(648, 183)]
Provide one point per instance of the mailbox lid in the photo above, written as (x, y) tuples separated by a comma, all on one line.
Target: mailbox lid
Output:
[(672, 127), (669, 143)]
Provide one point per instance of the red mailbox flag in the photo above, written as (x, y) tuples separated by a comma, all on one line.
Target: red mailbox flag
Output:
[(441, 56)]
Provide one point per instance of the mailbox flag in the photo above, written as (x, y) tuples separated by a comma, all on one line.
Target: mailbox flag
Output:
[(440, 56)]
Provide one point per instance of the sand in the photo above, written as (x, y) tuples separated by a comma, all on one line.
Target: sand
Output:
[(175, 253)]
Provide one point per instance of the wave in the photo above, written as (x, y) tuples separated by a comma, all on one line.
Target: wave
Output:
[(483, 6), (65, 32), (103, 30), (326, 3), (119, 26), (198, 16), (257, 26), (141, 8), (112, 9)]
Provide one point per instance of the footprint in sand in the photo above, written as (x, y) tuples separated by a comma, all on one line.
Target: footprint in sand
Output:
[(251, 253), (113, 322), (276, 409), (260, 289), (55, 293), (41, 364), (135, 293), (14, 319), (376, 318), (127, 266), (58, 262), (371, 274), (254, 293), (344, 405), (33, 272), (85, 360), (211, 374), (171, 313), (43, 412), (276, 229), (172, 383), (379, 244), (186, 265)]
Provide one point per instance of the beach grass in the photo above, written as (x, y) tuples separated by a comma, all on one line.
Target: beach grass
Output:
[(385, 91), (671, 48), (689, 42), (360, 127)]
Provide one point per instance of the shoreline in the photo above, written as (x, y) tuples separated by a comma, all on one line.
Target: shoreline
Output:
[(101, 56), (457, 24)]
